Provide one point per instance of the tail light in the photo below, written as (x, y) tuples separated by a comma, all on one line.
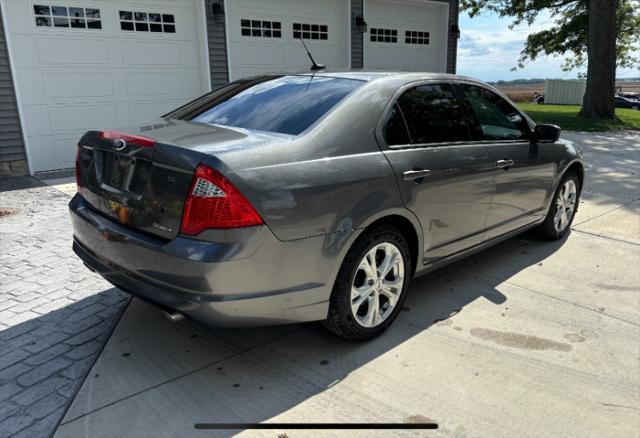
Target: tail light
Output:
[(137, 140), (213, 202)]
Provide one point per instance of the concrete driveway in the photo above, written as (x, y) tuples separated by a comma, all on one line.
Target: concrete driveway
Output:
[(529, 338)]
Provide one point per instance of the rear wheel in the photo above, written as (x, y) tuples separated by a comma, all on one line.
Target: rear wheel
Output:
[(562, 209), (371, 285)]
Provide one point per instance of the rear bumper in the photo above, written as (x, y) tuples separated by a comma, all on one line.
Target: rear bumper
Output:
[(240, 278)]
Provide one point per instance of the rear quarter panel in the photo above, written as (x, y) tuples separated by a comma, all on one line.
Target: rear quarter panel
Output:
[(333, 178)]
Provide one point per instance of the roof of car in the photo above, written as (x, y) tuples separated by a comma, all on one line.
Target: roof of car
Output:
[(370, 75)]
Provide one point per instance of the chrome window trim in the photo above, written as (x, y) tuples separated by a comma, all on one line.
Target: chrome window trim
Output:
[(457, 143)]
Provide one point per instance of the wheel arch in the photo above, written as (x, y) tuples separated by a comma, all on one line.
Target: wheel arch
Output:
[(578, 168), (410, 229)]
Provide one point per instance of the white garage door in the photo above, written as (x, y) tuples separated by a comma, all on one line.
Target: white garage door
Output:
[(406, 35), (89, 64), (264, 35)]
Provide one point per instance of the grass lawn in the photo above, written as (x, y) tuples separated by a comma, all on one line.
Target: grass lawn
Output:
[(565, 116)]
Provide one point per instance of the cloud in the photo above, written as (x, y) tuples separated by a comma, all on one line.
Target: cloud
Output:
[(471, 47), (488, 49)]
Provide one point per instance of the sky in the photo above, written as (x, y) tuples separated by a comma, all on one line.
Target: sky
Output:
[(488, 49)]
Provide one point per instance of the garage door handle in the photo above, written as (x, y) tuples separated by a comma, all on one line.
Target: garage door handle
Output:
[(411, 175), (505, 164)]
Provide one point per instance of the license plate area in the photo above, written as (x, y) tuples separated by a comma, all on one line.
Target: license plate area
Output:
[(124, 173), (118, 170)]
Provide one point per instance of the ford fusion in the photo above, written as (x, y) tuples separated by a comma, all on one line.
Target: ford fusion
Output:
[(315, 197)]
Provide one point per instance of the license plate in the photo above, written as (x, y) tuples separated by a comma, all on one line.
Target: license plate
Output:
[(118, 170)]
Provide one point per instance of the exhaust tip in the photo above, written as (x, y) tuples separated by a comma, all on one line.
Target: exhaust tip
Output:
[(174, 316)]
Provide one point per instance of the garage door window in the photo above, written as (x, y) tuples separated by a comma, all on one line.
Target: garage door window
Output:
[(310, 31), (379, 35), (416, 37), (132, 21), (62, 17), (260, 28)]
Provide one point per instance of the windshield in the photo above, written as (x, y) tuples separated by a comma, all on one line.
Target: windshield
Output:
[(285, 104)]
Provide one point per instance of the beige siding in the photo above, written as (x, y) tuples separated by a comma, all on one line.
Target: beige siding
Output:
[(452, 48), (357, 51), (217, 48), (11, 142)]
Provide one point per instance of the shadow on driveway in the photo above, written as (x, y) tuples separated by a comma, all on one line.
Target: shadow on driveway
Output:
[(159, 378)]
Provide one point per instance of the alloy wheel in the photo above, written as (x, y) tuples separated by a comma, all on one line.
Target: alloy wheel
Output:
[(565, 205), (377, 285)]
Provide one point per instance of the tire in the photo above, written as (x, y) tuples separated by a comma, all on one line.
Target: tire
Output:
[(549, 229), (381, 241)]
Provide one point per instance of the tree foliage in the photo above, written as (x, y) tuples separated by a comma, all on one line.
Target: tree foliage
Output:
[(566, 36)]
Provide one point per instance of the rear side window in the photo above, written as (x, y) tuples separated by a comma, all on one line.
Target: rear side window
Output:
[(434, 114), (395, 131), (283, 104), (497, 118)]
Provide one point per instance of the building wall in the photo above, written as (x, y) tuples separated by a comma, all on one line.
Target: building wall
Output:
[(217, 48), (12, 149), (357, 41), (13, 160)]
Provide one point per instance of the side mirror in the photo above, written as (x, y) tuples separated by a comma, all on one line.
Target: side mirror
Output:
[(546, 133)]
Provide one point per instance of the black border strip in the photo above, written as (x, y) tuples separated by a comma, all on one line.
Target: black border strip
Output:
[(320, 426)]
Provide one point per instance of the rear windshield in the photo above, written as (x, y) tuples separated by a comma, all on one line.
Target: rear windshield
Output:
[(284, 104)]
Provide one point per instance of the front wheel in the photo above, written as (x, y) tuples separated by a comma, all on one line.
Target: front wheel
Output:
[(562, 210), (371, 285)]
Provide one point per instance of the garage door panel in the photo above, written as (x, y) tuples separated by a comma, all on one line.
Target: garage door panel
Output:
[(259, 6), (65, 148), (143, 112), (59, 86), (330, 8), (147, 53), (72, 51), (262, 55), (298, 58), (249, 55), (82, 117), (45, 152), (412, 12), (407, 16), (145, 83), (74, 80), (69, 85)]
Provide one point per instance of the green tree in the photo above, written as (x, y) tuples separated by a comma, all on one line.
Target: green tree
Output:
[(601, 34)]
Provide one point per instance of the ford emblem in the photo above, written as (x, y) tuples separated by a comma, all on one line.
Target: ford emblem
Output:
[(119, 144)]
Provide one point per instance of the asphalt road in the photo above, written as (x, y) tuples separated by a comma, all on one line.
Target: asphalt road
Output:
[(529, 338)]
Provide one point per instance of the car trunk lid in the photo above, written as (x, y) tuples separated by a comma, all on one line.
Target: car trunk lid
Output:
[(143, 182)]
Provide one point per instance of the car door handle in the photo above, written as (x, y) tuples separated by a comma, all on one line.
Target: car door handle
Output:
[(505, 163), (411, 175)]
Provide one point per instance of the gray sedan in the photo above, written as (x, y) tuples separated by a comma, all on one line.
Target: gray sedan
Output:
[(289, 198)]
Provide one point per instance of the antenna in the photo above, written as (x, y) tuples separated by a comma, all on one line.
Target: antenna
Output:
[(314, 66)]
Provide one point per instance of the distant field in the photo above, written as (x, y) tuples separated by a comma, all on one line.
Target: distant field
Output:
[(525, 93), (565, 116)]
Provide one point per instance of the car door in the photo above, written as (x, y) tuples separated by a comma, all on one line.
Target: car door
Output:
[(445, 178), (523, 170)]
